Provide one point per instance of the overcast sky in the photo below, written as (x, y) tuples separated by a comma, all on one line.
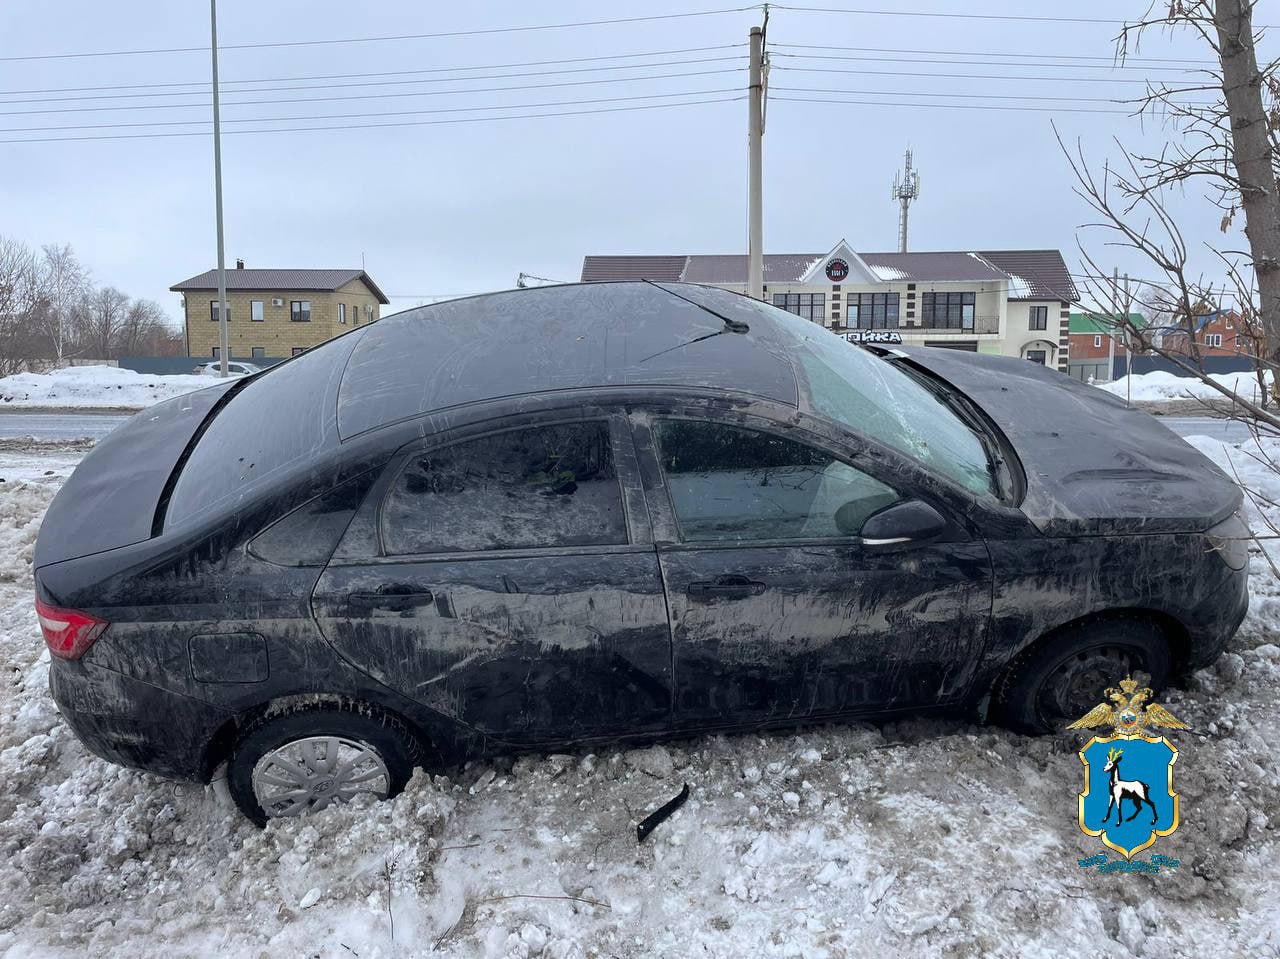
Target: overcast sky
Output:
[(463, 207)]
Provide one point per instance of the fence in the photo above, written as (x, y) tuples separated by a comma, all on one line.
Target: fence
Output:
[(169, 365)]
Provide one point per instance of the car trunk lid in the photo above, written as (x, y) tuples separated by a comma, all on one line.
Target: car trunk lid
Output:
[(110, 500), (1092, 466)]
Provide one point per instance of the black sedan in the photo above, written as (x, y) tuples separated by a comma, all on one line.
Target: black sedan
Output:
[(612, 512)]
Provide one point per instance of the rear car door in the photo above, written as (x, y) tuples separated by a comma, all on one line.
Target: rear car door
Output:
[(508, 581), (778, 615)]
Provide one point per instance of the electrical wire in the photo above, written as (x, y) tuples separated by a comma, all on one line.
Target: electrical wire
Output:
[(369, 126), (977, 63), (958, 76), (391, 73), (386, 39), (993, 53), (373, 96), (974, 96), (973, 16), (956, 106)]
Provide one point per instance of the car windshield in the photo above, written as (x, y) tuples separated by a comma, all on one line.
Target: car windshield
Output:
[(862, 391)]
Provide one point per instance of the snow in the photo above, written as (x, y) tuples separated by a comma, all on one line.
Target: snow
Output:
[(1159, 386), (888, 272), (915, 838), (80, 387)]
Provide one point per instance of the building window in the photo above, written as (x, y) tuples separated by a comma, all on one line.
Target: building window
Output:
[(1213, 339), (297, 350), (342, 313), (810, 306), (355, 315), (1036, 356), (257, 353), (255, 311), (213, 310), (873, 311), (300, 311), (1038, 318), (215, 352), (948, 311)]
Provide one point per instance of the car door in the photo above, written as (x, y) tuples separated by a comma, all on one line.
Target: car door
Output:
[(778, 611), (508, 581)]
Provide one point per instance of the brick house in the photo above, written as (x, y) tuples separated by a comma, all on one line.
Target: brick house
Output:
[(1218, 334), (1091, 337), (276, 313)]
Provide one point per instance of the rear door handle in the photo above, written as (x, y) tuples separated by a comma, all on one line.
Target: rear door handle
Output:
[(392, 597), (724, 587)]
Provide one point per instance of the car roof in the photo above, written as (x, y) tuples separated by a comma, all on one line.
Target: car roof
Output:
[(558, 338)]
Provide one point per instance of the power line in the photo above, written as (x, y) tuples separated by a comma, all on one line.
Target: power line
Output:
[(389, 113), (975, 16), (993, 53), (390, 73), (955, 106), (979, 63), (386, 39), (375, 83), (369, 126), (373, 96), (956, 76), (971, 96)]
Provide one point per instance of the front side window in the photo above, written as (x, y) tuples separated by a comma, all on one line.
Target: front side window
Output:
[(730, 484), (255, 311), (873, 311), (534, 488), (1038, 318), (947, 311), (810, 306), (300, 311)]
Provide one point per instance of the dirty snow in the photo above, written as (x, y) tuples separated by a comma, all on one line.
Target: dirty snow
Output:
[(922, 838), (80, 387), (1159, 386)]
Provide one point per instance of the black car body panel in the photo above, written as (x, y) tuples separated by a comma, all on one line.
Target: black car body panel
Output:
[(264, 565), (110, 500), (1092, 465)]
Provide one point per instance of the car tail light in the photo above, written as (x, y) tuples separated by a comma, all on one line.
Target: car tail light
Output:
[(68, 632)]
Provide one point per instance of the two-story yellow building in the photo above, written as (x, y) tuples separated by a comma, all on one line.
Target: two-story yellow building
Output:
[(276, 313)]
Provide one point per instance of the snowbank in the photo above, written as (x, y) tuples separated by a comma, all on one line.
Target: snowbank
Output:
[(922, 838), (78, 387), (1159, 386)]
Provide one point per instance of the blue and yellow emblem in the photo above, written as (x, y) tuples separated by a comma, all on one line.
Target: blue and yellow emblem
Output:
[(1128, 797)]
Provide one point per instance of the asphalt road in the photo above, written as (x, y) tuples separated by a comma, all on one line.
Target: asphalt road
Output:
[(58, 426), (73, 425)]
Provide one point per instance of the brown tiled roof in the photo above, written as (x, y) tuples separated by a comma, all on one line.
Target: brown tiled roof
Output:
[(1032, 274), (248, 279)]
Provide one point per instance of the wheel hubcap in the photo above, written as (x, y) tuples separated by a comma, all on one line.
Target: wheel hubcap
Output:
[(1077, 684), (312, 773)]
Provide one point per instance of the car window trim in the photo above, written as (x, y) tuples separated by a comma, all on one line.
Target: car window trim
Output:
[(449, 438), (468, 556)]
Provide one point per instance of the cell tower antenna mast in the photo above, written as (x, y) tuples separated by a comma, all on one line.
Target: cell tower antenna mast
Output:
[(906, 187)]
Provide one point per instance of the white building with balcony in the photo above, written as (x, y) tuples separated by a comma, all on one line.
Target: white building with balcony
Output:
[(1014, 302)]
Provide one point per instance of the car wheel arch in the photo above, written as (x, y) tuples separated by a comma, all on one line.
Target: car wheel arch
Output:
[(225, 737)]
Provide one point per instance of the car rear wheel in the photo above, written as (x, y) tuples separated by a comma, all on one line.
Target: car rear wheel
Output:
[(1056, 682), (308, 757)]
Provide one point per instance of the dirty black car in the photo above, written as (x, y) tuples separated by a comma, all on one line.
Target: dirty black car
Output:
[(543, 518)]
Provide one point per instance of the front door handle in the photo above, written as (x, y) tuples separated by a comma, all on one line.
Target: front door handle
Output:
[(724, 587), (395, 597)]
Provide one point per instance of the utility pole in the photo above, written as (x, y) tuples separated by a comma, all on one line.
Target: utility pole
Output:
[(1128, 347), (224, 335), (1115, 318), (755, 138), (906, 187)]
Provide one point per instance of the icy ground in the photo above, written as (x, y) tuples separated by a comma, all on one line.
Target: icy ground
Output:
[(915, 839), (81, 387)]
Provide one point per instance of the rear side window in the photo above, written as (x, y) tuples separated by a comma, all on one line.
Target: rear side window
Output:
[(308, 535), (542, 487), (732, 484)]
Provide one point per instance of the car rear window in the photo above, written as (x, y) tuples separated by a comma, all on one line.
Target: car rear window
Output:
[(271, 425)]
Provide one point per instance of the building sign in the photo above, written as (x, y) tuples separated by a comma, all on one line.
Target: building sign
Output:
[(837, 270), (873, 336)]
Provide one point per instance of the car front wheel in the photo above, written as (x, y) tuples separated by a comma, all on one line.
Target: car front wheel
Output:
[(1059, 680), (304, 758)]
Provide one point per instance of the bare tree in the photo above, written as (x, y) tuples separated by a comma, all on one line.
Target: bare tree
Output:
[(21, 305), (104, 320), (1227, 145), (66, 288), (143, 320)]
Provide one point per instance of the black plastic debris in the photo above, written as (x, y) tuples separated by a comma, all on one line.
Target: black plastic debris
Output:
[(659, 815)]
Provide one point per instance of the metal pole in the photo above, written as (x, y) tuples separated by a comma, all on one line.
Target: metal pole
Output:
[(224, 336), (755, 138), (1128, 348), (1115, 318)]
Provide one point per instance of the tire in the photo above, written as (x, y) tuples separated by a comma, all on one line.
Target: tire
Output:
[(320, 754), (1056, 681)]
